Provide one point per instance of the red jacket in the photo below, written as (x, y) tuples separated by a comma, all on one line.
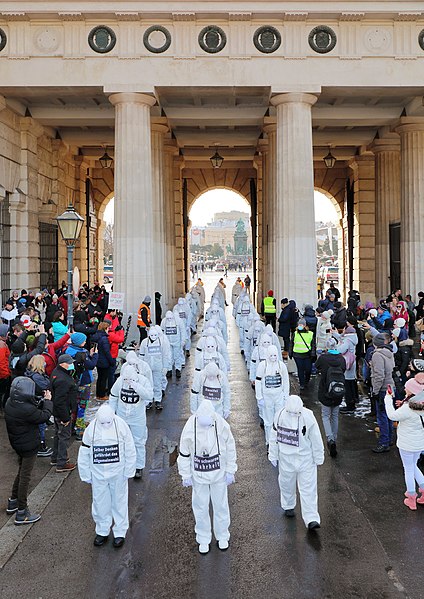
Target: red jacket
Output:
[(49, 354), (64, 303), (4, 360), (115, 337)]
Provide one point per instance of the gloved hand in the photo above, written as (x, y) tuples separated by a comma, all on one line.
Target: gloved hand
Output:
[(261, 403), (187, 482), (226, 414), (229, 478), (274, 463)]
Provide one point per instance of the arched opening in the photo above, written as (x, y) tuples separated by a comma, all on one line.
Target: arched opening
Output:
[(105, 240), (329, 236), (219, 233)]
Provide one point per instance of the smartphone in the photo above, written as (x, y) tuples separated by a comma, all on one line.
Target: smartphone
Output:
[(94, 346), (389, 390)]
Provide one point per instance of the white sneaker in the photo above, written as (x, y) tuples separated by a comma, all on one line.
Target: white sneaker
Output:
[(223, 545), (203, 548)]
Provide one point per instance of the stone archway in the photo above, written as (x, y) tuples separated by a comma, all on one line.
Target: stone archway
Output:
[(102, 191)]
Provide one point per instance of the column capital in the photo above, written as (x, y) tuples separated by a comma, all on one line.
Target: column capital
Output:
[(386, 144), (171, 147), (269, 128), (159, 128), (409, 124), (294, 98), (132, 98)]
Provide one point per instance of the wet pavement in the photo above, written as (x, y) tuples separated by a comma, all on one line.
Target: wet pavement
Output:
[(369, 546)]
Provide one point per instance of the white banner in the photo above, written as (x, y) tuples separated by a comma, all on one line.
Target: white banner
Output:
[(116, 301)]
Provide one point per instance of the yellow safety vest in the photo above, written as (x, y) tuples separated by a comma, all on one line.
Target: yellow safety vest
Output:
[(269, 307), (302, 344)]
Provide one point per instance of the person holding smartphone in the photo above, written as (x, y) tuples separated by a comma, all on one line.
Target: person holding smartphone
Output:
[(382, 365)]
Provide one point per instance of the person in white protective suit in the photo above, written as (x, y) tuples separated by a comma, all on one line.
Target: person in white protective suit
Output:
[(199, 290), (193, 310), (175, 332), (274, 338), (212, 384), (132, 360), (217, 324), (106, 460), (207, 462), (221, 347), (243, 295), (219, 297), (182, 311), (215, 311), (251, 338), (244, 320), (272, 388), (128, 398), (295, 444), (210, 353), (235, 291), (157, 353), (259, 354)]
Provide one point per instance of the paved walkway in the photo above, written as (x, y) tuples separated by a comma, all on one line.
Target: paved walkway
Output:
[(369, 546)]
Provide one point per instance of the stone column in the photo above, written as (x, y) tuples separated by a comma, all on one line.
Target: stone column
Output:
[(387, 206), (270, 200), (294, 249), (171, 150), (133, 248), (159, 213), (411, 130), (263, 262), (364, 226)]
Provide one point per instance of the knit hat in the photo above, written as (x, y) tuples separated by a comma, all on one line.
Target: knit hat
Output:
[(78, 338), (413, 387), (418, 365), (147, 299), (326, 315), (18, 347), (302, 321), (380, 340), (400, 322), (270, 292), (373, 312), (65, 359), (26, 320), (4, 329), (285, 300), (331, 343), (55, 296)]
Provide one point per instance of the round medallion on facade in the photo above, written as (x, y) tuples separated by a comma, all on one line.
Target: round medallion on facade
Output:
[(157, 39), (322, 39), (47, 39), (212, 39), (377, 39), (420, 40), (267, 39), (102, 39), (3, 39)]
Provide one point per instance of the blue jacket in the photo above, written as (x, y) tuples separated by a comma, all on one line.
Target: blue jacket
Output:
[(288, 319), (105, 359), (89, 364), (383, 317)]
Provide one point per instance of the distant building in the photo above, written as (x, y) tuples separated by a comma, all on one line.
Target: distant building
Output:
[(221, 230)]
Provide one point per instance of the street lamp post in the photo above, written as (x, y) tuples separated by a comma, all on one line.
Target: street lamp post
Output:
[(70, 224)]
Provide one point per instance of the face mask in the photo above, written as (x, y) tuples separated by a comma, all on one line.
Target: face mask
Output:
[(300, 327), (273, 358), (71, 367)]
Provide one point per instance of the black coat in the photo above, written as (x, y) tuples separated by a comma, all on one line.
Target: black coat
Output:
[(339, 318), (64, 393), (323, 363), (24, 411), (19, 358), (288, 319)]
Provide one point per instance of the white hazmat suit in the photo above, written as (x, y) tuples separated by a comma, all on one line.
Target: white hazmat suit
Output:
[(157, 353), (259, 354), (272, 388), (106, 460), (295, 443), (175, 332), (209, 353), (211, 383), (207, 463), (128, 398)]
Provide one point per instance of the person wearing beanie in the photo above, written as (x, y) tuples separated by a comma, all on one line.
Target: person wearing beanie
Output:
[(332, 366), (382, 365), (287, 322), (410, 438), (269, 309), (296, 447), (404, 353), (302, 349), (144, 317), (64, 397), (84, 363)]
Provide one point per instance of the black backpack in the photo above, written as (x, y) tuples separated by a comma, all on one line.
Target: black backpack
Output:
[(79, 364), (335, 383)]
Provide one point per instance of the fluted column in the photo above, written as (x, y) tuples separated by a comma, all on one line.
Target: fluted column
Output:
[(170, 238), (270, 199), (387, 206), (294, 244), (133, 248), (411, 130), (159, 213)]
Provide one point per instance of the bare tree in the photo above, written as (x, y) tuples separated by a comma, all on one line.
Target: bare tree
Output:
[(108, 242)]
